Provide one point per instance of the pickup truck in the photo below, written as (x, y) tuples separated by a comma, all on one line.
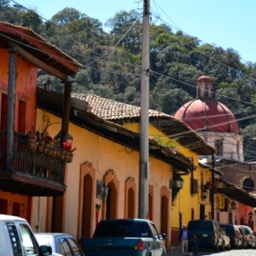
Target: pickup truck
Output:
[(125, 237), (17, 238)]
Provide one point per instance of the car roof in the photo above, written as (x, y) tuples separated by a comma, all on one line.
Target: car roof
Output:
[(50, 234), (194, 221), (244, 226), (10, 217), (127, 220)]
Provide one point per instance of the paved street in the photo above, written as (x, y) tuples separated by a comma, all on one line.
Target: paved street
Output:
[(233, 253), (246, 252)]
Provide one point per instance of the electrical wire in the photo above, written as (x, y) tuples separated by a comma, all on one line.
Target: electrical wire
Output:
[(116, 45)]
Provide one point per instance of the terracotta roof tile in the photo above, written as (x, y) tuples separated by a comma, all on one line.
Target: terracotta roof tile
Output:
[(30, 33), (113, 110)]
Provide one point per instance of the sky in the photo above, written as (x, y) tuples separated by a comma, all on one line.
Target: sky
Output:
[(222, 23)]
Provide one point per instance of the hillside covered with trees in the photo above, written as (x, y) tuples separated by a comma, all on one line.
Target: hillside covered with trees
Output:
[(112, 62)]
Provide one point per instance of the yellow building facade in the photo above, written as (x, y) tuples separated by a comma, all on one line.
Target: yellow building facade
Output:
[(102, 180), (193, 200)]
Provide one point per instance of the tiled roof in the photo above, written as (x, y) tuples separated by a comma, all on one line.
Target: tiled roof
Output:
[(26, 41), (113, 110)]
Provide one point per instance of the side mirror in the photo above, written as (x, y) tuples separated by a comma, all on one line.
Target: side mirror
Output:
[(45, 250), (163, 236)]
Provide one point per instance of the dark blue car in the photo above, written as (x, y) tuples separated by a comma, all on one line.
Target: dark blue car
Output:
[(208, 233)]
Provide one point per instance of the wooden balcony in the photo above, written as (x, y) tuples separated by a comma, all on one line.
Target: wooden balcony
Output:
[(32, 171)]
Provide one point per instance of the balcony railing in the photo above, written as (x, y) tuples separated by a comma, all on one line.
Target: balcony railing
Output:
[(34, 165)]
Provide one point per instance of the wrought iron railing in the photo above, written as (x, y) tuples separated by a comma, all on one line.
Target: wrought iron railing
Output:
[(32, 161)]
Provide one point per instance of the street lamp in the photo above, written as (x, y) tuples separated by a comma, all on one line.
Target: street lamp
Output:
[(204, 194), (233, 207), (178, 184), (251, 221)]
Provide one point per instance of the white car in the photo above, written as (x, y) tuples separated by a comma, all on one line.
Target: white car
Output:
[(226, 240), (251, 240), (17, 238), (61, 243)]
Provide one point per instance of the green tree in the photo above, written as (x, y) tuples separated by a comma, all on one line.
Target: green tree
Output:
[(125, 28), (66, 16), (31, 19)]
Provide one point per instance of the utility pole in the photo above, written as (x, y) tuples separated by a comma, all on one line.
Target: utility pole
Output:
[(144, 118), (212, 194)]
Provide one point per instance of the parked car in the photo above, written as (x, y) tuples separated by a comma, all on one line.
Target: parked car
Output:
[(133, 237), (232, 231), (251, 240), (208, 233), (61, 243), (226, 240), (244, 237), (17, 238)]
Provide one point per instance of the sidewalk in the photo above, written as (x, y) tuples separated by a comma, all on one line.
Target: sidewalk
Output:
[(180, 254), (176, 252)]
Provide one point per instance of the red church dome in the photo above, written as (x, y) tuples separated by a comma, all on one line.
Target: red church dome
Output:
[(206, 113)]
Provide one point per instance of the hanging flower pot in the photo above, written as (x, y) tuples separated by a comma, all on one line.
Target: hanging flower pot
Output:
[(70, 158), (58, 152), (30, 139), (46, 147), (54, 152), (67, 155), (50, 150), (62, 154), (33, 146), (40, 147)]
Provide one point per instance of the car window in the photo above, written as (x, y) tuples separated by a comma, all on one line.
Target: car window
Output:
[(74, 247), (64, 248), (122, 229), (28, 240), (154, 230), (246, 231), (204, 225)]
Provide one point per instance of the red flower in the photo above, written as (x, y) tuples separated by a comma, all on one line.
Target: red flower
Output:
[(67, 145)]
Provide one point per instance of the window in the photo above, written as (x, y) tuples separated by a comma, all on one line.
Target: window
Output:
[(74, 247), (4, 112), (154, 230), (64, 248), (28, 241)]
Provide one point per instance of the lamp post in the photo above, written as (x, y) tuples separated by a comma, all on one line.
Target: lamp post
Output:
[(233, 207), (204, 192), (177, 185), (251, 221)]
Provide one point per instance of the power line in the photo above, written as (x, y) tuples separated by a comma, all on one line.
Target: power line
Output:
[(105, 70)]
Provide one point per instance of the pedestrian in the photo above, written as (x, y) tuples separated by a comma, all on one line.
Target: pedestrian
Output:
[(184, 237), (194, 244)]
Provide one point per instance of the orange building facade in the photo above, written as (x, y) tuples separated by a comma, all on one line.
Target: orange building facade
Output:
[(22, 174)]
